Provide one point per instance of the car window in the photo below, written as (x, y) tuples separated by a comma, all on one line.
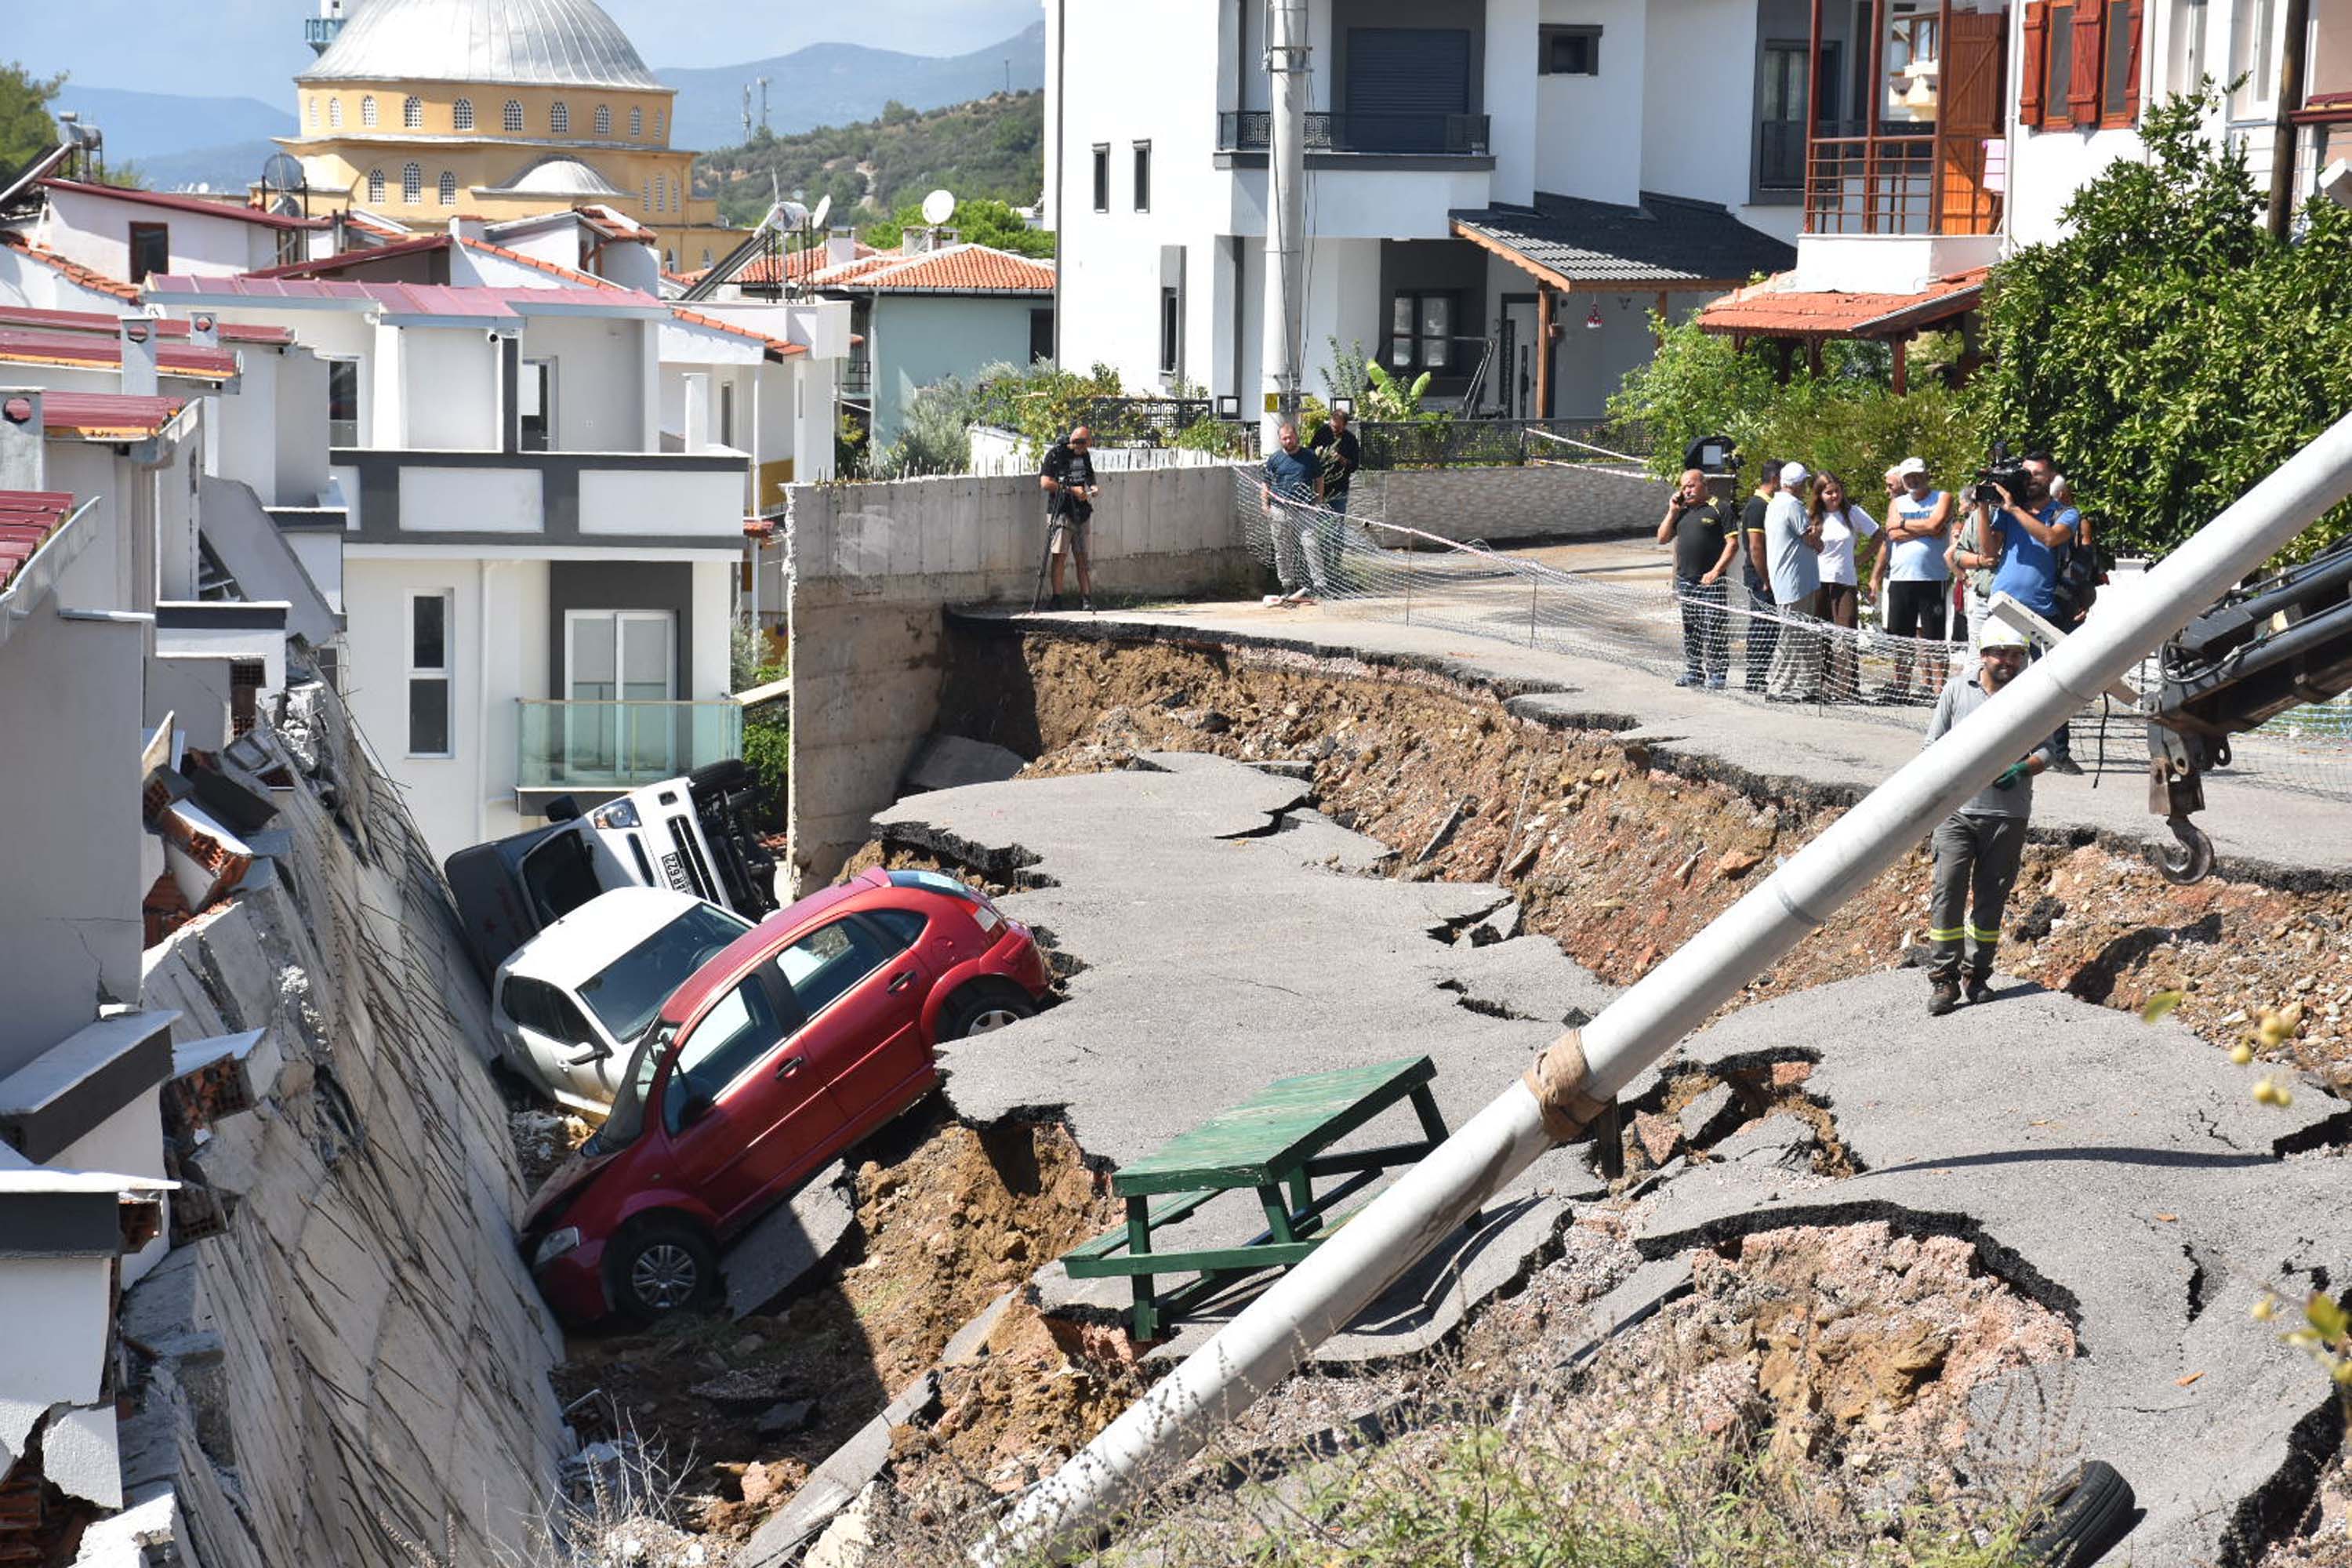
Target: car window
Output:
[(630, 991), (828, 962), (526, 1003), (740, 1028), (560, 874), (903, 928)]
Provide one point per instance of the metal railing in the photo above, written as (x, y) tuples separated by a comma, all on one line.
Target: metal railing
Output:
[(621, 745), (1115, 421), (1897, 182), (1497, 443), (1360, 131), (856, 377)]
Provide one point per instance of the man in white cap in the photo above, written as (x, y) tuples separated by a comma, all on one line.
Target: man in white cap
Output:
[(1916, 577), (1980, 847), (1793, 558)]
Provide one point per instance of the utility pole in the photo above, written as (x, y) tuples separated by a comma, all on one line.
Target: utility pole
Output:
[(763, 103), (747, 111), (1282, 344)]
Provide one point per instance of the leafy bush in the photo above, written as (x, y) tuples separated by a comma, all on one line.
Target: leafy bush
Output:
[(2169, 350), (936, 437)]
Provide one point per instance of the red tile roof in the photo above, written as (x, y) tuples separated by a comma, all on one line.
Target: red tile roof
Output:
[(953, 270), (19, 346), (776, 346), (107, 415), (27, 518), (797, 264), (89, 278), (611, 224), (208, 207), (1761, 311), (167, 327)]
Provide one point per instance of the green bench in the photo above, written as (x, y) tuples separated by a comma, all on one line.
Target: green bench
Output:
[(1273, 1143)]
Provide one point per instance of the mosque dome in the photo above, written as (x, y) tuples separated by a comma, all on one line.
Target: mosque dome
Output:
[(528, 43)]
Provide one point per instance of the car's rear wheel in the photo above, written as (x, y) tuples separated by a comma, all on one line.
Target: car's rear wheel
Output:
[(983, 1010), (663, 1267)]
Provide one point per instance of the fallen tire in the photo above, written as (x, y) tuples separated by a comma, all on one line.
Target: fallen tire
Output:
[(2081, 1519), (983, 1009), (662, 1269)]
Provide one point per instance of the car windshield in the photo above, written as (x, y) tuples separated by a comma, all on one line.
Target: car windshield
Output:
[(627, 1119), (631, 990)]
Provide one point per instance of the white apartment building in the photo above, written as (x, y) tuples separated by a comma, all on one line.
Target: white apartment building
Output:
[(1498, 191)]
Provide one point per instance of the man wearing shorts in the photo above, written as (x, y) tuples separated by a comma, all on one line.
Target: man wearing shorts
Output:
[(1067, 478)]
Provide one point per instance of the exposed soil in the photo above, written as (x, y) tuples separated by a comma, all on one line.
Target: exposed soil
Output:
[(1620, 857), (948, 1217)]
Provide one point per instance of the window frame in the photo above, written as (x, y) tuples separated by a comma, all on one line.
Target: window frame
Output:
[(1171, 329), (1422, 299), (375, 187), (367, 111), (348, 365), (139, 236), (2066, 59), (461, 114), (1141, 175), (511, 117), (447, 188), (636, 122), (444, 674), (411, 183), (412, 113), (559, 119), (1550, 33), (602, 121), (1102, 176), (335, 114)]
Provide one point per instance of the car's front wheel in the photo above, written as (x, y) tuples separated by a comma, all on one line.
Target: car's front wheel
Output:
[(662, 1267), (983, 1009)]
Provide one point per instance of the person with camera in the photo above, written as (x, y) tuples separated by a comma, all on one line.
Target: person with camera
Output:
[(1914, 572), (1763, 626), (1979, 847), (1792, 552), (1067, 478), (1704, 544), (1292, 492), (2028, 539), (1336, 448)]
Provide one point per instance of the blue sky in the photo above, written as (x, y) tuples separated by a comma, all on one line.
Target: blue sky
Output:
[(250, 48)]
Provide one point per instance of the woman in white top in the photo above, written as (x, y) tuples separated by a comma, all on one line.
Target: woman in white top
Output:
[(1841, 523), (1917, 579)]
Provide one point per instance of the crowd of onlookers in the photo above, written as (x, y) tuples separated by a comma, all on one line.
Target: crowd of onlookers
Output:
[(1936, 564)]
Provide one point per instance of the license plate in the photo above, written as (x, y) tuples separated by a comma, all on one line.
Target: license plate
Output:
[(676, 872)]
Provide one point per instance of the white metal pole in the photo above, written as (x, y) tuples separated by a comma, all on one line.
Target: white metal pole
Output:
[(1281, 337), (1430, 1201)]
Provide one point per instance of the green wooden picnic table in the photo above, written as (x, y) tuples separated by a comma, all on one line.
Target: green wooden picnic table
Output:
[(1272, 1142)]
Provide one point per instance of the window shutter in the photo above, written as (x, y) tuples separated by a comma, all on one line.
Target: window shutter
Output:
[(2036, 61), (2090, 57), (2137, 13)]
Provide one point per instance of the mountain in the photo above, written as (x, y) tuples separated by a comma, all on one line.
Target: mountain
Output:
[(145, 125), (992, 146), (229, 167), (835, 84)]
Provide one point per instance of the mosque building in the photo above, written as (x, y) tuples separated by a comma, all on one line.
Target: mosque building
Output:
[(422, 111)]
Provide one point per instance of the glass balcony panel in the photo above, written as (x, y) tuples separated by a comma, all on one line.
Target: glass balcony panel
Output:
[(622, 744)]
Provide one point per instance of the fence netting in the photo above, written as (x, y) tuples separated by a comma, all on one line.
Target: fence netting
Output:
[(1721, 638)]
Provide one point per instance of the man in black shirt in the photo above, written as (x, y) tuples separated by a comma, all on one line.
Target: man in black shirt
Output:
[(1704, 544), (1336, 444), (1763, 627), (1067, 478)]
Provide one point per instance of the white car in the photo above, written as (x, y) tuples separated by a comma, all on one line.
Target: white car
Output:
[(570, 1004)]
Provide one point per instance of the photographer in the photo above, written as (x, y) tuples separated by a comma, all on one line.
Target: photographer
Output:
[(1067, 478), (1704, 544), (2028, 540)]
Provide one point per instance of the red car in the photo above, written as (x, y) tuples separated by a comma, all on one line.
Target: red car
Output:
[(796, 1040)]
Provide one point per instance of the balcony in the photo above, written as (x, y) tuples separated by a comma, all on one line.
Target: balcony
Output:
[(856, 378), (621, 745), (1899, 182), (441, 498), (1247, 134), (320, 31)]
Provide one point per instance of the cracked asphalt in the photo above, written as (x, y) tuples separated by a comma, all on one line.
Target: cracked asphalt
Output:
[(2117, 1171)]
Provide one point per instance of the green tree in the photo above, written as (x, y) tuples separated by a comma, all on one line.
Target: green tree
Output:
[(2169, 350), (27, 128), (981, 221)]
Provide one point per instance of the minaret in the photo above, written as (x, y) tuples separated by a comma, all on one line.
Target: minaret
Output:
[(319, 31)]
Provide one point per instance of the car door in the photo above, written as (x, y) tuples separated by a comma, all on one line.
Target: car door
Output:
[(594, 1077), (741, 1094), (863, 989)]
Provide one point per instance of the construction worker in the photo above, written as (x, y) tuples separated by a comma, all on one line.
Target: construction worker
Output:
[(1980, 847)]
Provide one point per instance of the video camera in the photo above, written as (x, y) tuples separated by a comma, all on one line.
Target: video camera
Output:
[(2005, 473)]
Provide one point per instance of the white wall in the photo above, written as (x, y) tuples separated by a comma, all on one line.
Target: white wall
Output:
[(451, 382), (1698, 107), (96, 231), (130, 1143), (471, 500), (600, 370), (1582, 120), (682, 504)]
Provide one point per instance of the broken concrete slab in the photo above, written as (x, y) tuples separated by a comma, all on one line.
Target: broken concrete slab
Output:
[(786, 1243), (970, 1343), (1633, 1302), (1698, 1118), (949, 762), (836, 1483), (2118, 1172), (1319, 840)]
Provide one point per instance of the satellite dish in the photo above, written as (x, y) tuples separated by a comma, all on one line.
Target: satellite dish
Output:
[(937, 207), (283, 171), (823, 211)]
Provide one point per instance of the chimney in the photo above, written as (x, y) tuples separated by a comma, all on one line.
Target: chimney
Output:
[(697, 411), (204, 330), (916, 241), (138, 336), (21, 453), (468, 226), (840, 245)]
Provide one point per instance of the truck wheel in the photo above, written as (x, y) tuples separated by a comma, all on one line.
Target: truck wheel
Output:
[(2089, 1512), (663, 1267), (983, 1009)]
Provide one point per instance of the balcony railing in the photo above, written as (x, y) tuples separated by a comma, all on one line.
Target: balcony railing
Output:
[(856, 377), (1903, 182), (622, 745), (1365, 131)]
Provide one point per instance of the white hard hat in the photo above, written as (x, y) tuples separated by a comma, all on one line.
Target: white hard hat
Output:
[(2001, 634), (1794, 474)]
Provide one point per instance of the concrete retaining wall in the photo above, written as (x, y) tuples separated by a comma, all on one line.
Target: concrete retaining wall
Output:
[(870, 568), (362, 1348), (1500, 504)]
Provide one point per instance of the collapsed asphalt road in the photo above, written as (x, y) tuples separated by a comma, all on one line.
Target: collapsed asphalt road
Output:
[(2117, 1172)]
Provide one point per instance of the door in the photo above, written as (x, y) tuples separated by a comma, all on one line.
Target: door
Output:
[(1404, 84), (535, 399), (863, 990), (742, 1099), (1971, 115), (1517, 370), (614, 658), (1780, 117)]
